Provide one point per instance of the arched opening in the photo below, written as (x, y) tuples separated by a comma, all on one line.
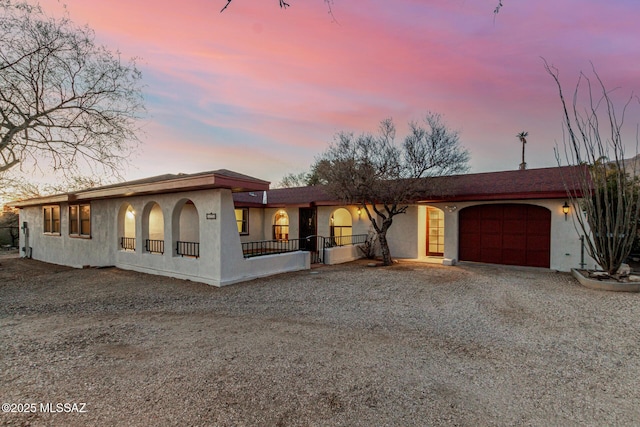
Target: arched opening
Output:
[(127, 227), (188, 229), (435, 232), (153, 228), (281, 226), (341, 227)]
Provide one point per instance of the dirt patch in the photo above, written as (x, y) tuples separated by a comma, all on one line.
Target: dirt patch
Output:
[(414, 344)]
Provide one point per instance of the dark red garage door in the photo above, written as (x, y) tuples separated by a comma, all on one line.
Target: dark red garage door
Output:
[(506, 234)]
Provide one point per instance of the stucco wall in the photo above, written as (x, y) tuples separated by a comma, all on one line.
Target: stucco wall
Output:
[(256, 226), (342, 254), (220, 262), (407, 234), (252, 268), (63, 249)]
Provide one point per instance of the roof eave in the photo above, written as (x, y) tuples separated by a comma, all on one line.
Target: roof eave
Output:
[(502, 196), (186, 183), (173, 185), (41, 201)]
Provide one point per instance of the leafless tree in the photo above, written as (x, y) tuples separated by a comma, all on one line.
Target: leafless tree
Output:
[(65, 102), (606, 212), (9, 225), (14, 188), (301, 179), (384, 177), (292, 180)]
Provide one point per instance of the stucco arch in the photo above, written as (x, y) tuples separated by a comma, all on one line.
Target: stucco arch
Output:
[(127, 218), (153, 227), (185, 226), (341, 226)]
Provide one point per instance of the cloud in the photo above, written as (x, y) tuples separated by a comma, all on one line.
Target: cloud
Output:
[(280, 83)]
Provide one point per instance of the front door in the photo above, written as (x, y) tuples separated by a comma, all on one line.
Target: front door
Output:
[(307, 228), (435, 232)]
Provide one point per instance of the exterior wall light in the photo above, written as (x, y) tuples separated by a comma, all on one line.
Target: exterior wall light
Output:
[(359, 211), (565, 210), (451, 208)]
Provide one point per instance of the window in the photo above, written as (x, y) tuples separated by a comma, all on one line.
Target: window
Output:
[(51, 219), (80, 220), (242, 219), (281, 226)]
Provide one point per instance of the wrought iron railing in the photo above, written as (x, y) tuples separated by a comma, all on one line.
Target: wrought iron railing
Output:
[(128, 243), (154, 246), (356, 239), (272, 247), (191, 249), (314, 244)]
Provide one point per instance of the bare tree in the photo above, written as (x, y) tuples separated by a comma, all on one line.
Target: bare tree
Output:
[(64, 101), (18, 188), (291, 180), (9, 225), (384, 177), (302, 179), (606, 212)]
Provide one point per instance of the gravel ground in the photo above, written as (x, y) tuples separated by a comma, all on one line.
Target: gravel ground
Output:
[(347, 345)]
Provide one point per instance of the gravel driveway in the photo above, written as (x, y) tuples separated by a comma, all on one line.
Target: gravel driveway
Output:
[(347, 345)]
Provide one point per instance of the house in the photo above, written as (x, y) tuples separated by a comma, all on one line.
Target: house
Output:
[(175, 225), (510, 217), (222, 227)]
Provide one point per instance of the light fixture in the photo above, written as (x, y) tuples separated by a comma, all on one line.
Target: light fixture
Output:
[(359, 211), (451, 208), (565, 210)]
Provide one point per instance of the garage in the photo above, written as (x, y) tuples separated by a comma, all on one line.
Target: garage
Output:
[(513, 234)]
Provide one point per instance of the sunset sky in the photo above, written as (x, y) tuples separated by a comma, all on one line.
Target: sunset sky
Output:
[(262, 91)]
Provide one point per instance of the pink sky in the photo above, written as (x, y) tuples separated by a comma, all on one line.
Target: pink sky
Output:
[(262, 91)]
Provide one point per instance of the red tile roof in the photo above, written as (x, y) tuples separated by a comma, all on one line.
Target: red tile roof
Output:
[(545, 183), (298, 196), (542, 183)]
